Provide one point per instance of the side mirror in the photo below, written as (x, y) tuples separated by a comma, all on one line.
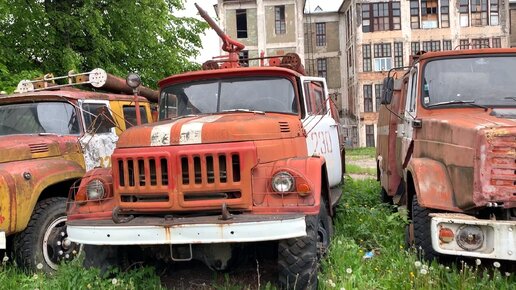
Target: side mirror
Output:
[(387, 90)]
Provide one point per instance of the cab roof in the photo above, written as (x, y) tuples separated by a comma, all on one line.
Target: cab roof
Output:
[(230, 72), (466, 52)]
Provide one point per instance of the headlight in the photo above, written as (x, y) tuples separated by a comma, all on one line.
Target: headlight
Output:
[(282, 182), (470, 238), (95, 189)]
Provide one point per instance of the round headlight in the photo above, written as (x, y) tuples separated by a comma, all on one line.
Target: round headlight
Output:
[(470, 238), (95, 189), (133, 80), (282, 182)]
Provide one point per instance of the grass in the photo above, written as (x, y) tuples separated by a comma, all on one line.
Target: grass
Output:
[(363, 225), (362, 152), (356, 169)]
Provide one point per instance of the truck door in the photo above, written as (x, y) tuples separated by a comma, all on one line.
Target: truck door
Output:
[(99, 139), (321, 128), (405, 129)]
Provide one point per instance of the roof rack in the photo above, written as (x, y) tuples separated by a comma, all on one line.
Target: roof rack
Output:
[(96, 78)]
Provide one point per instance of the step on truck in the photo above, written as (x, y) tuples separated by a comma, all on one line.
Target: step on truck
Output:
[(50, 135), (447, 151), (239, 155)]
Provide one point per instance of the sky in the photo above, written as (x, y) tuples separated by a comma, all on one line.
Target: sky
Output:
[(210, 41)]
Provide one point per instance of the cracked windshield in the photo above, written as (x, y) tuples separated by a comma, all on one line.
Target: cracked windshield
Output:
[(486, 81), (264, 94), (36, 118)]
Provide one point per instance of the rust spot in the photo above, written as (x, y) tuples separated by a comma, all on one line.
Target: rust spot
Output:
[(167, 233), (2, 219)]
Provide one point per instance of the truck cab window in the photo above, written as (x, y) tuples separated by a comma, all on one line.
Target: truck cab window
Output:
[(315, 100)]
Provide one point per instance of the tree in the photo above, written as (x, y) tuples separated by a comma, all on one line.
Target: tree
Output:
[(144, 36)]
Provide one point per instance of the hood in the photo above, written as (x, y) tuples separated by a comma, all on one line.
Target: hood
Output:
[(460, 128), (219, 128), (24, 147)]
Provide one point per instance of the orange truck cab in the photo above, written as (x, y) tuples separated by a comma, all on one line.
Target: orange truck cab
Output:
[(50, 135), (447, 151), (238, 155)]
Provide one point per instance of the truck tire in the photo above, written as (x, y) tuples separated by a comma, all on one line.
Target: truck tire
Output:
[(44, 243), (421, 224), (298, 258)]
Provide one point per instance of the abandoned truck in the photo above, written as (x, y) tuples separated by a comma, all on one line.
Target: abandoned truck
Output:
[(49, 136), (447, 150), (240, 154)]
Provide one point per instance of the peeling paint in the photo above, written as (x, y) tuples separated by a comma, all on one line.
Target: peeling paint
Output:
[(97, 149)]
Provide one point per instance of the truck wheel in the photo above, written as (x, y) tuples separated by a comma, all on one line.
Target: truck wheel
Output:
[(421, 228), (298, 258), (44, 243)]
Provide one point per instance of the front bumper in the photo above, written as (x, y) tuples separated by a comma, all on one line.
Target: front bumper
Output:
[(191, 230), (2, 241), (499, 236)]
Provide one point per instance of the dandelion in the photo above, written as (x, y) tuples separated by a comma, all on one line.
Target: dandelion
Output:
[(425, 267), (417, 264), (114, 281), (423, 271), (339, 242), (5, 259), (496, 264), (401, 247), (39, 266), (478, 262), (349, 270), (35, 276), (447, 268), (507, 274), (88, 286), (411, 275)]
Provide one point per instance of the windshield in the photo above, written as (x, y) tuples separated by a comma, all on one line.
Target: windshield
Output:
[(266, 94), (34, 118), (484, 80)]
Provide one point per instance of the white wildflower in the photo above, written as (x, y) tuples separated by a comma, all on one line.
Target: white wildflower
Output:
[(417, 264), (5, 259), (349, 271), (114, 281), (425, 267), (478, 262), (39, 266), (342, 288), (423, 271), (507, 274), (496, 265), (35, 276), (339, 242)]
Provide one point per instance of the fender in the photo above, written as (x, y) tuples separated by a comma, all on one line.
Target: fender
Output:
[(432, 184), (42, 173), (308, 168)]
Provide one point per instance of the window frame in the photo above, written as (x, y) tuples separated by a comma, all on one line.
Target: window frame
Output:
[(320, 34), (279, 20), (367, 94), (241, 33)]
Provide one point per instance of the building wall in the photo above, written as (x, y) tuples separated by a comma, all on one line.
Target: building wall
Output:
[(252, 30), (270, 24), (512, 21)]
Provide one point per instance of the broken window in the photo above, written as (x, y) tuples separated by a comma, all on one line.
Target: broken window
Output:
[(321, 67), (478, 12), (130, 116), (280, 19), (381, 16), (429, 13), (368, 98), (398, 54), (97, 118), (369, 135), (366, 52), (464, 13), (320, 34), (241, 23)]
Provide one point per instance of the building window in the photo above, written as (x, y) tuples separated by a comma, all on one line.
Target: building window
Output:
[(432, 45), (369, 135), (381, 16), (398, 54), (429, 13), (494, 12), (368, 98), (378, 95), (320, 34), (243, 56), (464, 44), (382, 57), (414, 14), (321, 67), (447, 45), (496, 42), (280, 19), (464, 13), (478, 12), (480, 43), (445, 13), (241, 23), (415, 47), (366, 52)]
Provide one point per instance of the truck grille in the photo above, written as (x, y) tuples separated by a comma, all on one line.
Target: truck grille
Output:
[(500, 167), (178, 178)]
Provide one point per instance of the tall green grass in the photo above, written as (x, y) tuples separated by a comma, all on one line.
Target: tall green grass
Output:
[(366, 152)]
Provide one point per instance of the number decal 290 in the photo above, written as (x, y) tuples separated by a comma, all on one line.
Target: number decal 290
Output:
[(323, 144)]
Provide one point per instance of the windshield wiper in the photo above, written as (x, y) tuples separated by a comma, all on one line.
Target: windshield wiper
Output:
[(453, 102), (510, 98), (244, 111)]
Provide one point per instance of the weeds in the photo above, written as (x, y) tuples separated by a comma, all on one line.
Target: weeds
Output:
[(356, 169), (363, 152)]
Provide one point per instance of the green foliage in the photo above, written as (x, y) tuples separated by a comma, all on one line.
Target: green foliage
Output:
[(120, 36), (362, 152), (355, 169)]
